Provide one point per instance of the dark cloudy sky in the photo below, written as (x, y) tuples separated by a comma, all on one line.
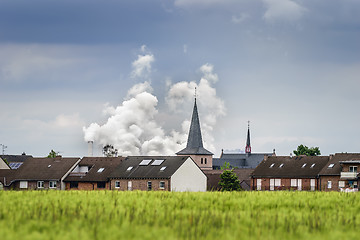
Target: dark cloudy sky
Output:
[(291, 67)]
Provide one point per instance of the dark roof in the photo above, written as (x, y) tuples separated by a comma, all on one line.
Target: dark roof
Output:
[(15, 158), (45, 168), (7, 176), (95, 163), (194, 144), (293, 167), (336, 159), (172, 163), (240, 160)]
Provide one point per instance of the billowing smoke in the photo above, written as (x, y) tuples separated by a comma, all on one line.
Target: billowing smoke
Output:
[(132, 128)]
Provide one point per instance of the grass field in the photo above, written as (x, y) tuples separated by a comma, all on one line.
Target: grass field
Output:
[(165, 215)]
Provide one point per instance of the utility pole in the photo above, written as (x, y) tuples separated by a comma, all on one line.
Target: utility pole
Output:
[(3, 148)]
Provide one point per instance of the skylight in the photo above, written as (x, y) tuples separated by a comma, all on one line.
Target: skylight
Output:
[(129, 169), (100, 170), (157, 162), (15, 165), (312, 165), (162, 168), (304, 165), (281, 165), (331, 165), (145, 162), (272, 165)]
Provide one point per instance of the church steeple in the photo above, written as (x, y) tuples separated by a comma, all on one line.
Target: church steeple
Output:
[(194, 144), (248, 145)]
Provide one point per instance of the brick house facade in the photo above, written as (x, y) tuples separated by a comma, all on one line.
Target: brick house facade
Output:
[(288, 173)]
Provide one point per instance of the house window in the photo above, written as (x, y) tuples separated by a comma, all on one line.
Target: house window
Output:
[(129, 185), (341, 184), (277, 182), (100, 170), (149, 186), (293, 182), (272, 165), (101, 184), (329, 184), (162, 185), (40, 184), (312, 165), (162, 168), (117, 184), (304, 165), (331, 165), (258, 184), (74, 184), (312, 184), (52, 184), (202, 161), (353, 169), (281, 165), (205, 161), (23, 184)]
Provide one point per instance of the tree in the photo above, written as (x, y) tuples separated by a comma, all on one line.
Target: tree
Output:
[(110, 151), (229, 181), (226, 165), (304, 150), (53, 154)]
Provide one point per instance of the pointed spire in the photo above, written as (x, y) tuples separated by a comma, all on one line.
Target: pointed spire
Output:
[(194, 144), (195, 138), (248, 145)]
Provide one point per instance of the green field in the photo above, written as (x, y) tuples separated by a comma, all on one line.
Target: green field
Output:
[(165, 215)]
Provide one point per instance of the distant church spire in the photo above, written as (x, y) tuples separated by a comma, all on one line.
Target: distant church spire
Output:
[(248, 145), (195, 144)]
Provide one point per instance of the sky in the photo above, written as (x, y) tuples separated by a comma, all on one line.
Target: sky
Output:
[(124, 73)]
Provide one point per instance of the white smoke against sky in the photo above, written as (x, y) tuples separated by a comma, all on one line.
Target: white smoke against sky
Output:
[(132, 128)]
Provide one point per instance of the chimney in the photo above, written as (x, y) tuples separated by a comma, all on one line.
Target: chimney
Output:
[(90, 148)]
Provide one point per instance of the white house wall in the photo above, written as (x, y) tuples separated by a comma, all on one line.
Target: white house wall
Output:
[(188, 178), (3, 165)]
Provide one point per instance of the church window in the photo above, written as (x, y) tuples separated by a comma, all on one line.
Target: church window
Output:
[(202, 161), (205, 161)]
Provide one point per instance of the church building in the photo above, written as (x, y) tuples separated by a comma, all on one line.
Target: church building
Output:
[(194, 148), (242, 160)]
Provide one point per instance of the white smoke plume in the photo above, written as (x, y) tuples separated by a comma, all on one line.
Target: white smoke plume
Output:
[(132, 127), (210, 106)]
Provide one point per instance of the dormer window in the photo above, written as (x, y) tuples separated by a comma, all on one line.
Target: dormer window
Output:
[(272, 165), (304, 165)]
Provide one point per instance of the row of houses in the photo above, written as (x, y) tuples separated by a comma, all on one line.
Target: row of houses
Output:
[(193, 169), (171, 173), (338, 172)]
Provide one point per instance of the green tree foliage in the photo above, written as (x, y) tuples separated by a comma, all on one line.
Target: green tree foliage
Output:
[(53, 154), (304, 150), (229, 181), (110, 151), (226, 165)]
